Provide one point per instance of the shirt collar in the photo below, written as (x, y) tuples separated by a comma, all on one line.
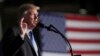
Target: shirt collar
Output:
[(28, 30)]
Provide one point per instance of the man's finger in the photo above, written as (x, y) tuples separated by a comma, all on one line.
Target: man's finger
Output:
[(22, 19)]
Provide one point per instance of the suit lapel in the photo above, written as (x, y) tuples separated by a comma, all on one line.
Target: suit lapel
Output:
[(26, 40)]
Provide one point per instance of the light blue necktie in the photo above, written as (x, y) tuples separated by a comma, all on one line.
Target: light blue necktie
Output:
[(32, 42)]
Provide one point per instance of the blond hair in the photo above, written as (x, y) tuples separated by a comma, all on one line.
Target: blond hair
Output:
[(25, 7)]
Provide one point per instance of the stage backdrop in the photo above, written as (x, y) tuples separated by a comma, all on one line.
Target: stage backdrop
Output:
[(83, 32)]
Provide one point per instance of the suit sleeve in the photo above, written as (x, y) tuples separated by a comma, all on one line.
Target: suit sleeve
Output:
[(11, 43)]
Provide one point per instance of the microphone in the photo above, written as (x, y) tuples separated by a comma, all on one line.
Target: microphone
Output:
[(49, 28), (54, 29), (42, 25)]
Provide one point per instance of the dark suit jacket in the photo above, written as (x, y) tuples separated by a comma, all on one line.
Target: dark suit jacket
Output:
[(13, 45)]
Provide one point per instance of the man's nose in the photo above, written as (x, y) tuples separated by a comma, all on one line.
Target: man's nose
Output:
[(36, 17)]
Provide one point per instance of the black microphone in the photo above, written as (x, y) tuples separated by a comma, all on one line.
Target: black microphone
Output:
[(49, 28), (54, 29), (42, 25)]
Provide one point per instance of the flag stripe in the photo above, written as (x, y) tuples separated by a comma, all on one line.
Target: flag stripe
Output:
[(91, 54), (80, 17), (82, 24), (82, 35), (54, 54), (85, 46), (66, 54), (82, 29), (86, 52), (96, 41)]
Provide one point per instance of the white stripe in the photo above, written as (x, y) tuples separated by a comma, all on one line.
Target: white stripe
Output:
[(53, 54), (82, 24), (82, 35), (90, 54), (65, 54), (85, 46)]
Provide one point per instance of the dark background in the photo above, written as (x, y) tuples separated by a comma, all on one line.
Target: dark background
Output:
[(8, 8)]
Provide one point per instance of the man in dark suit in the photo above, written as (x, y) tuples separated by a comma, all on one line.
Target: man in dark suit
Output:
[(18, 41)]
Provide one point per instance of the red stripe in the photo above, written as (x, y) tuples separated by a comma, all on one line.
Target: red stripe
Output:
[(86, 51), (80, 17), (84, 41), (82, 30)]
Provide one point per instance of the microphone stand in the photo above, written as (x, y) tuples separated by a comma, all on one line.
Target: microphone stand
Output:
[(52, 28)]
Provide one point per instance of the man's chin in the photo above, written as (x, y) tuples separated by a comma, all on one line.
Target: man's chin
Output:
[(34, 26)]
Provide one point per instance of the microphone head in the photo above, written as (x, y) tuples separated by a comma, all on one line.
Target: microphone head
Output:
[(41, 25), (46, 27)]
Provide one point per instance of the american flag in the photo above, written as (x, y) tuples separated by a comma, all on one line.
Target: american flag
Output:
[(83, 32)]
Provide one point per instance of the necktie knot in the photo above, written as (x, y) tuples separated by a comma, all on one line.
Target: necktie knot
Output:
[(30, 34)]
